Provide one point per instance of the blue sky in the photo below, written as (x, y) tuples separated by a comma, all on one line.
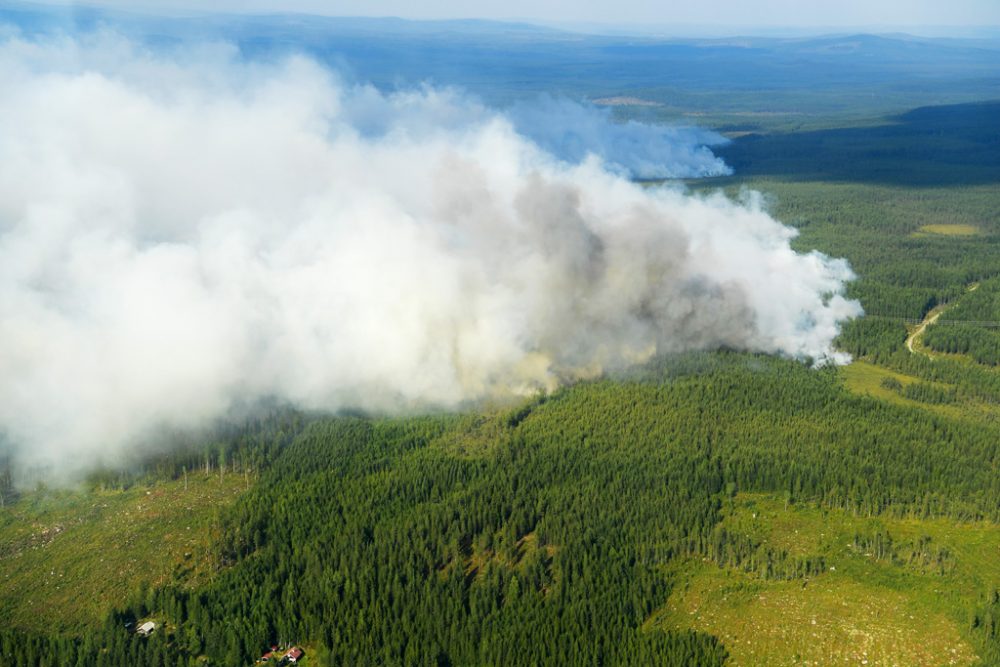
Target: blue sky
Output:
[(719, 13)]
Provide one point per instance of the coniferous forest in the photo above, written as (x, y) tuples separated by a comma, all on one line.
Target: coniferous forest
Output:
[(466, 539)]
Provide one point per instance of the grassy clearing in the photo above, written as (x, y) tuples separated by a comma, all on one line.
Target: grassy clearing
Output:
[(866, 379), (67, 557), (833, 621), (865, 610), (948, 230), (806, 530)]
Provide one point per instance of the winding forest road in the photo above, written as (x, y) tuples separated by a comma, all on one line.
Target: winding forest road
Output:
[(930, 318)]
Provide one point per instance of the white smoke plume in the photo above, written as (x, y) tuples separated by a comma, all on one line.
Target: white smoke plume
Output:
[(569, 130), (573, 131), (180, 234)]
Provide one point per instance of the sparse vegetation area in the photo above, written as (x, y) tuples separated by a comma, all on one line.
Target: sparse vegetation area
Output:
[(69, 556), (894, 590)]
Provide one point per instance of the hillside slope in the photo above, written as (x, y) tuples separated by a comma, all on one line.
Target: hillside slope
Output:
[(580, 527)]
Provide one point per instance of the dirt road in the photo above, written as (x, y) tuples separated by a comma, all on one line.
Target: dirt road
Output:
[(930, 318)]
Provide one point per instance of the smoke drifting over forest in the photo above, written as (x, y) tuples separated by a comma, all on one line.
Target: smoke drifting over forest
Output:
[(181, 234), (572, 131)]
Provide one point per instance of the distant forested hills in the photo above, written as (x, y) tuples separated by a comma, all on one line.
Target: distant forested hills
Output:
[(843, 74)]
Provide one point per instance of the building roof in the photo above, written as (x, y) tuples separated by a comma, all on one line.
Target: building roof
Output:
[(294, 653)]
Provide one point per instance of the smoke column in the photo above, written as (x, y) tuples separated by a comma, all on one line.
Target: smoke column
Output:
[(183, 233)]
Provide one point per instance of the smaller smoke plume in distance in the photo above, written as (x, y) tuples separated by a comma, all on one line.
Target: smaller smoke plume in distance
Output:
[(181, 234), (572, 131)]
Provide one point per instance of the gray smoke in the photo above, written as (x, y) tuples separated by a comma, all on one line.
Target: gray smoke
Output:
[(182, 234)]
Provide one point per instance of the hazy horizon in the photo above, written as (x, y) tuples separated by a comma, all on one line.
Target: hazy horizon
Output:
[(728, 18)]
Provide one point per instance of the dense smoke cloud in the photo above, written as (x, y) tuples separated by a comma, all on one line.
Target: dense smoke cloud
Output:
[(182, 234)]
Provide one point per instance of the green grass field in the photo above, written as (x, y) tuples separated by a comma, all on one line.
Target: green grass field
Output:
[(68, 557), (948, 230), (866, 379), (862, 611)]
